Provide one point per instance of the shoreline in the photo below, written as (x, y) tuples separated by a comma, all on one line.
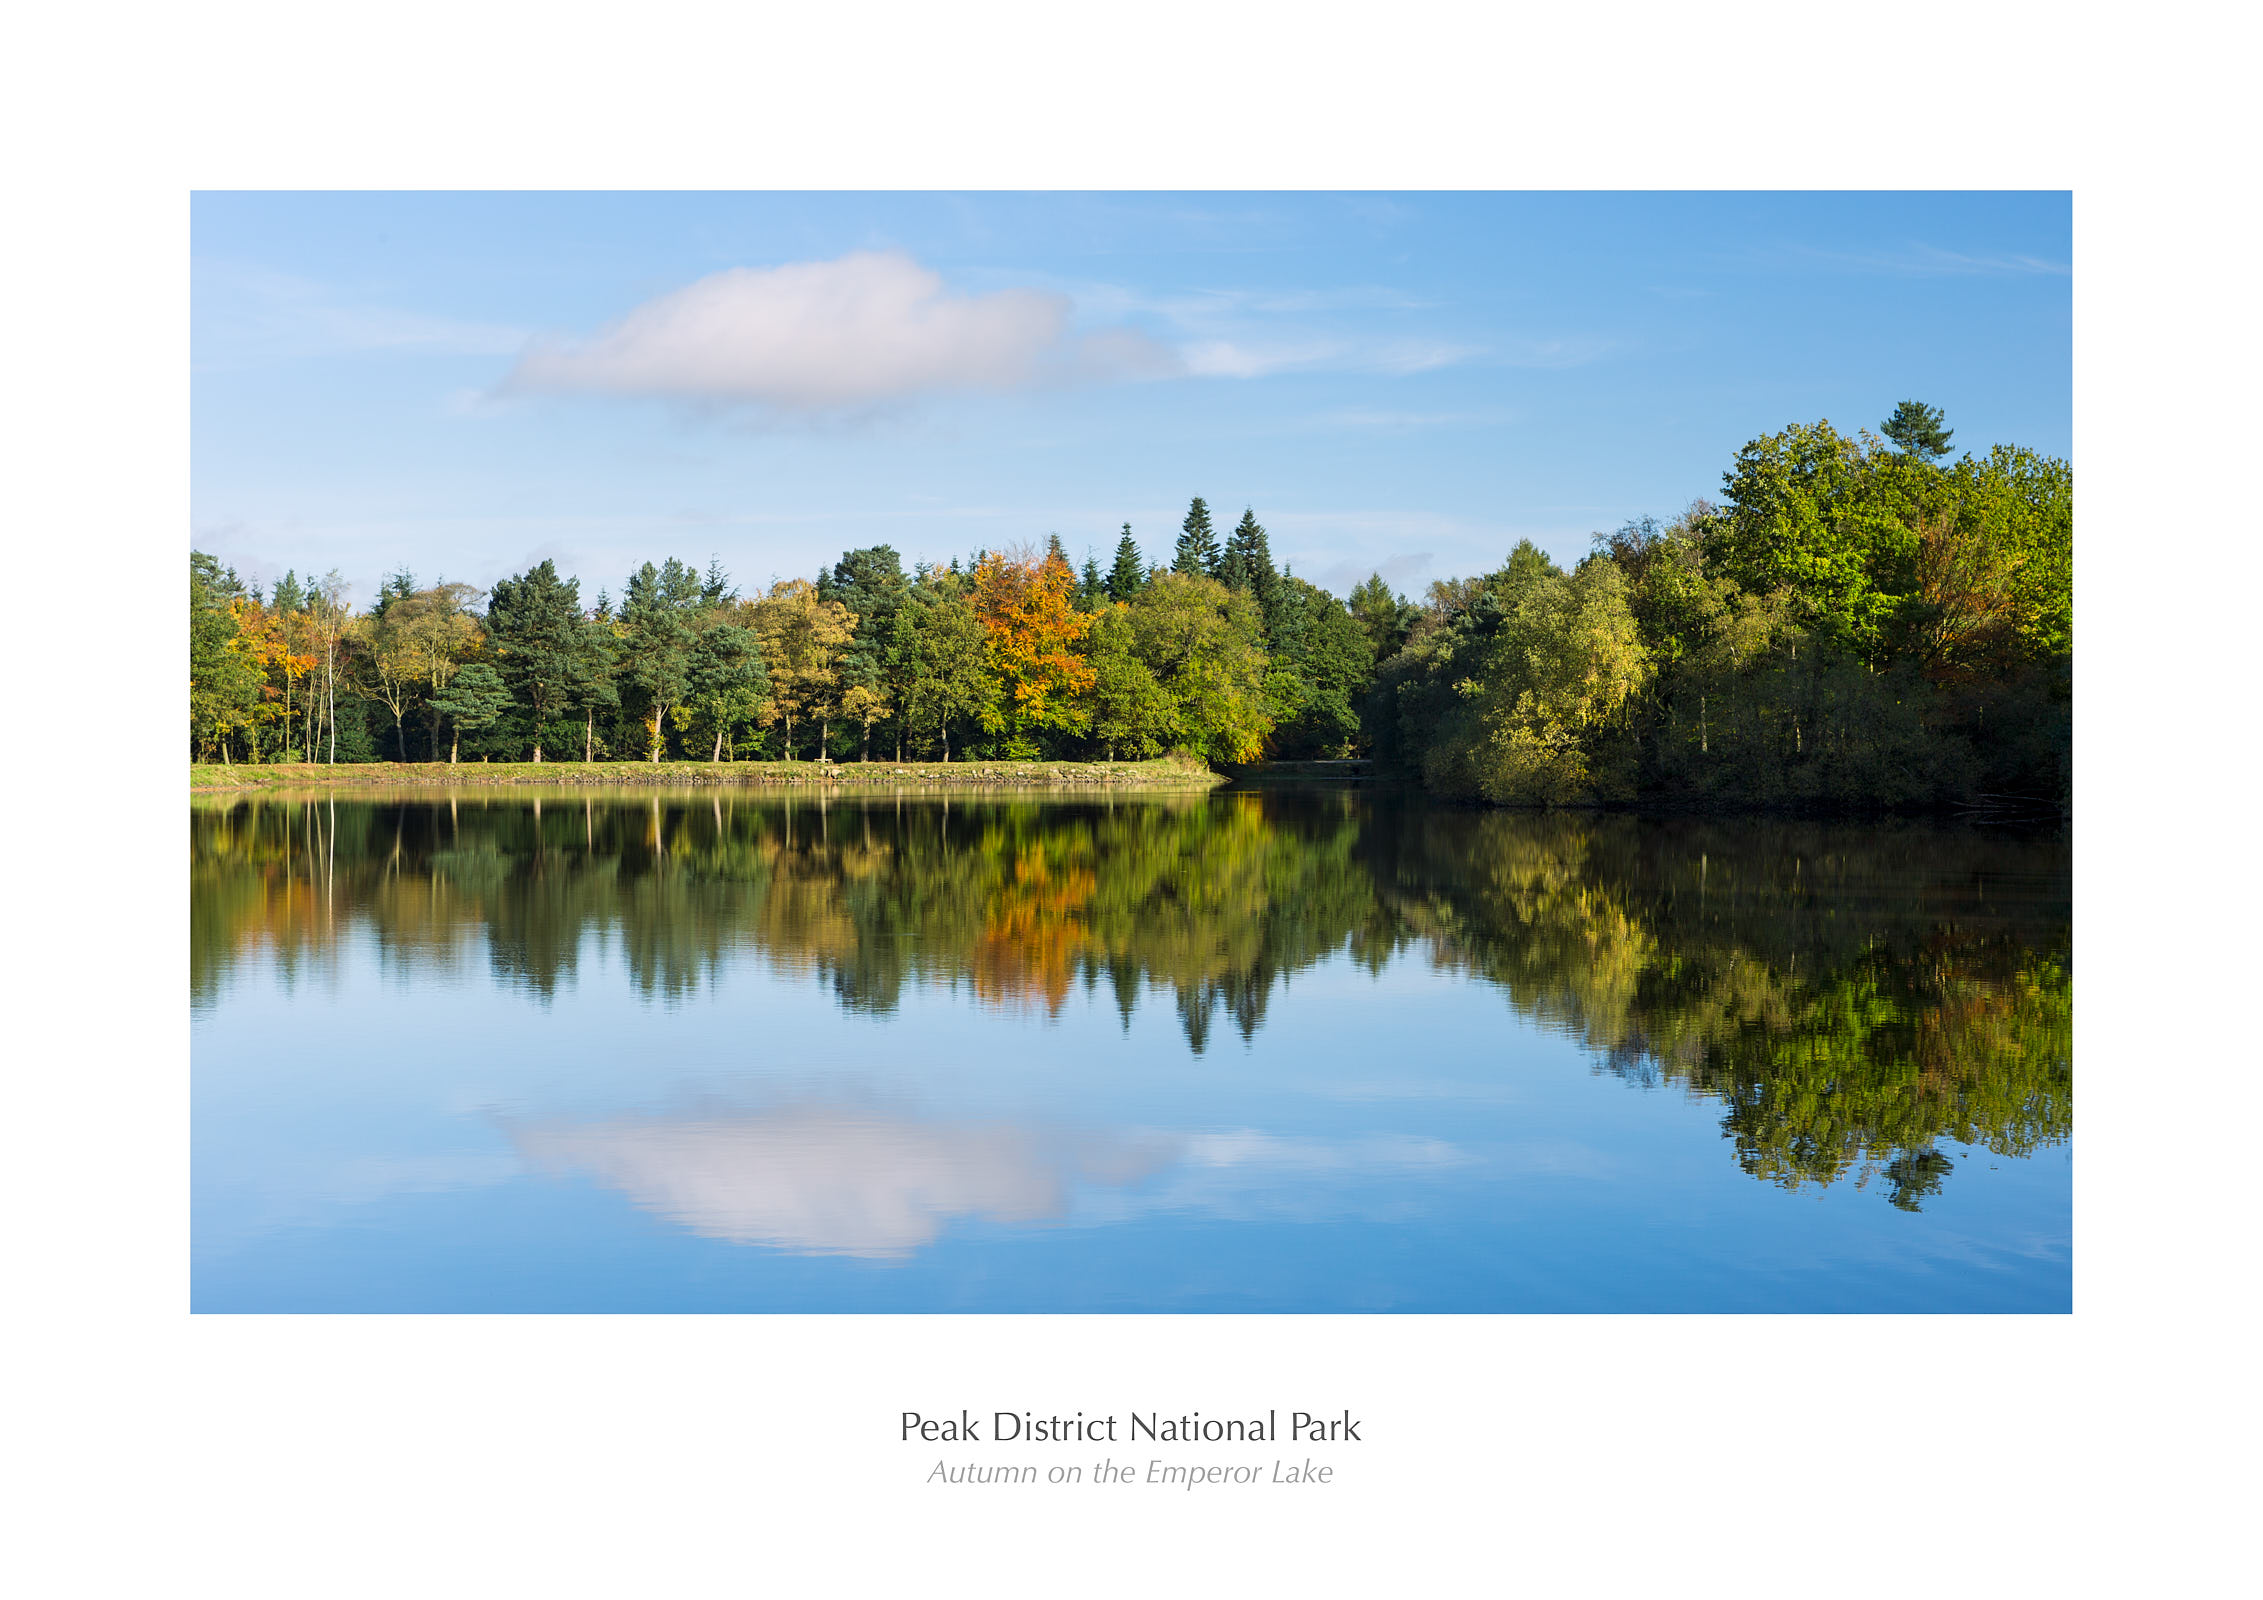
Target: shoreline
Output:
[(1160, 774)]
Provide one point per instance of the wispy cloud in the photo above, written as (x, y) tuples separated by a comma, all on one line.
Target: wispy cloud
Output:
[(1915, 259), (867, 329), (1384, 420), (1261, 332), (249, 312)]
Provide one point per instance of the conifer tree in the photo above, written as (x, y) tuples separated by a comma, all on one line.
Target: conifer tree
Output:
[(536, 625), (474, 701), (1129, 575), (1248, 567), (1916, 427), (1198, 553)]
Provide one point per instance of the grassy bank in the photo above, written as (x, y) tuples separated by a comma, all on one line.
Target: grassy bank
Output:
[(1166, 773)]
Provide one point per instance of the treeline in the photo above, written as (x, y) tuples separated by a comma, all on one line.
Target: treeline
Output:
[(1854, 625), (1014, 655), (1852, 996), (1857, 623)]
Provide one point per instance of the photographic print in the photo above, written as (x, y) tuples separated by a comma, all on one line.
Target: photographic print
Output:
[(1131, 752)]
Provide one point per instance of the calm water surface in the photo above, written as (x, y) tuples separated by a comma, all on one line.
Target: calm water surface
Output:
[(1277, 1050)]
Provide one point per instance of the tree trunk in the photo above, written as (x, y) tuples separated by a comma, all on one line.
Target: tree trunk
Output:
[(589, 733), (454, 742), (718, 755), (538, 754)]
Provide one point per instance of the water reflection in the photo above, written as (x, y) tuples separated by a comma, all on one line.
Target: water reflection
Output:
[(831, 1180), (1852, 998)]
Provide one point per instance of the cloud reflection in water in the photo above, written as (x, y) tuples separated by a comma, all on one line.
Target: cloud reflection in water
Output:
[(827, 1180), (832, 1180)]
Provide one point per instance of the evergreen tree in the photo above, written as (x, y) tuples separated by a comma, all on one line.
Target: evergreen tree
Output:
[(596, 668), (474, 701), (725, 683), (536, 625), (398, 585), (656, 645), (717, 589), (1385, 618), (870, 583), (1247, 566), (1092, 586), (1129, 575), (1916, 427), (1198, 553)]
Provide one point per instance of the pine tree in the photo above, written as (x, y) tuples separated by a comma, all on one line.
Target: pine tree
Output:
[(1916, 427), (535, 621), (1248, 566), (717, 588), (1198, 553), (397, 586), (474, 701), (1129, 575), (657, 641)]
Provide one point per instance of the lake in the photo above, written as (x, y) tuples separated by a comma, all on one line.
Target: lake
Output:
[(1263, 1049)]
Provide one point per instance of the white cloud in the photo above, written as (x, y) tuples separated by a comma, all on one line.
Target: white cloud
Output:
[(813, 336)]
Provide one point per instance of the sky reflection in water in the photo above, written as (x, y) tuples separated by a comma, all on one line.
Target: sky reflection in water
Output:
[(1277, 1051)]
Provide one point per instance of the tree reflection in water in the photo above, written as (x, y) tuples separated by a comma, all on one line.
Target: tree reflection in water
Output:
[(1852, 995)]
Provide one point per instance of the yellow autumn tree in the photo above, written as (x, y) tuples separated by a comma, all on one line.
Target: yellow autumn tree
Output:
[(803, 636)]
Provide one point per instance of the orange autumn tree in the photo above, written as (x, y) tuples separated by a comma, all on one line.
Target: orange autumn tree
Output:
[(1033, 633)]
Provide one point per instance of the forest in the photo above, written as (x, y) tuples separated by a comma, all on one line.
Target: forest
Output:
[(1858, 622)]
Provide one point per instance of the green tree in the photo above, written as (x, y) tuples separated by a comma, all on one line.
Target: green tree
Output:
[(534, 623), (1916, 427), (1832, 520), (1384, 617), (1203, 643), (725, 685), (1129, 710), (1198, 554), (473, 702), (1559, 670), (1129, 575), (945, 660), (656, 644), (224, 678), (870, 583), (595, 685), (1247, 565), (1321, 663)]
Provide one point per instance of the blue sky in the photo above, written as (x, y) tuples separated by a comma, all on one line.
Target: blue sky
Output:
[(1406, 383)]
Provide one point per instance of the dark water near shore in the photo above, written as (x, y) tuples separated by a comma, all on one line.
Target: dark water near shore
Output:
[(1277, 1050)]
